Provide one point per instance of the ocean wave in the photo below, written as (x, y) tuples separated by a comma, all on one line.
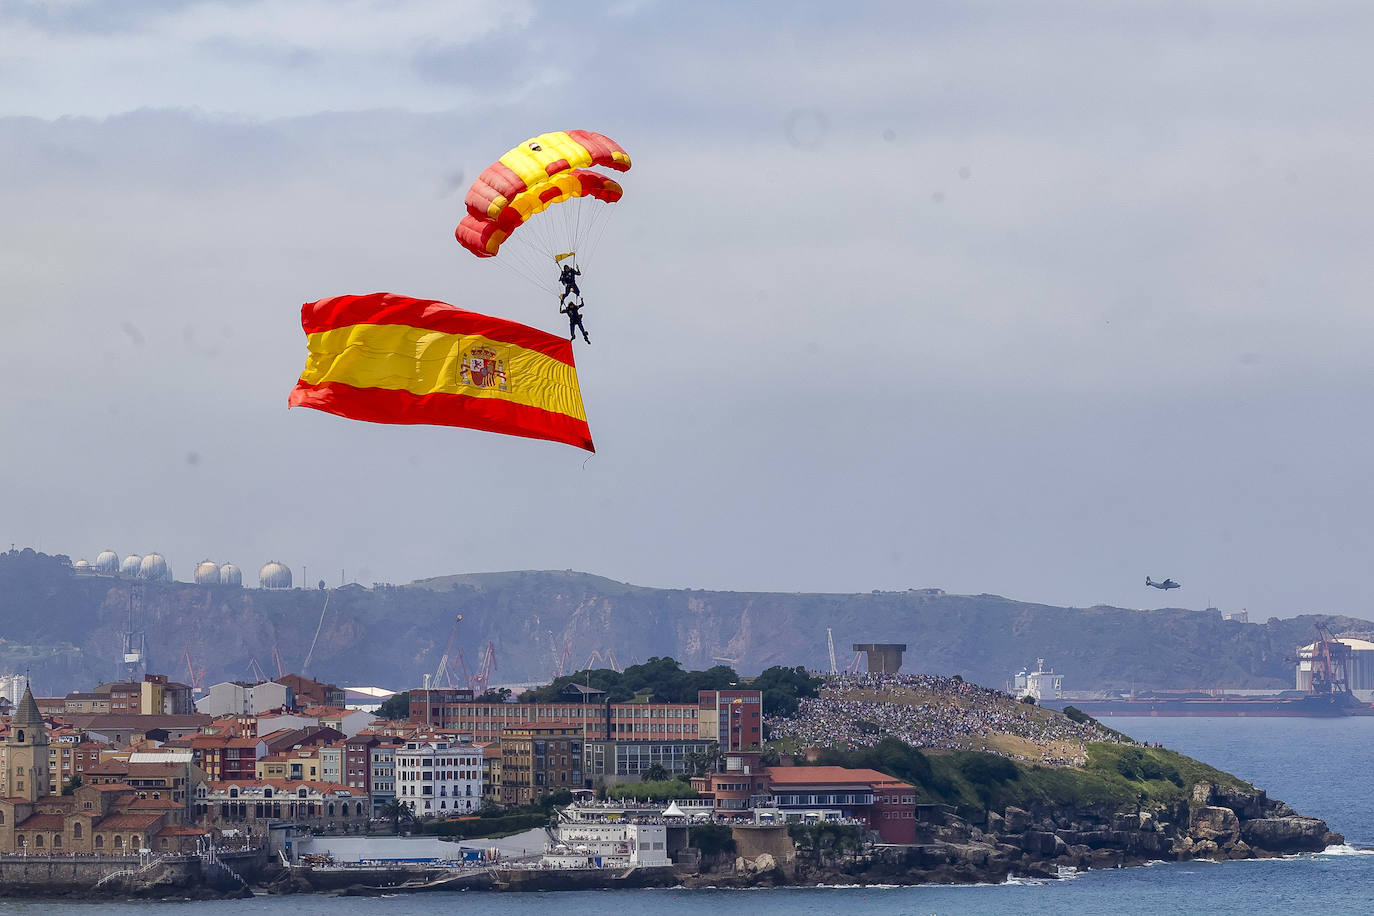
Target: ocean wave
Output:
[(1346, 849), (859, 887)]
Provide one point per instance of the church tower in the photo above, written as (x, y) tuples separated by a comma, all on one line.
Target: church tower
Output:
[(26, 752)]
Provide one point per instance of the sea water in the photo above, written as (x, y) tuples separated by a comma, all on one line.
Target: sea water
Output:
[(1316, 765)]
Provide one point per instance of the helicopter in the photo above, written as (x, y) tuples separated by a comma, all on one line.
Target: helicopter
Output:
[(1166, 584)]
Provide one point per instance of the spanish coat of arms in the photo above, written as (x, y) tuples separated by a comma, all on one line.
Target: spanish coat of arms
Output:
[(481, 367)]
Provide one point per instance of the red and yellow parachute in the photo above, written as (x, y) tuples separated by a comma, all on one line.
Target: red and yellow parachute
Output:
[(547, 170)]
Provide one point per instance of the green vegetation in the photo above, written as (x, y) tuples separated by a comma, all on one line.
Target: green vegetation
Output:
[(661, 680), (399, 813), (711, 839), (497, 822), (783, 688), (659, 790), (890, 756), (484, 826), (494, 695), (395, 707), (822, 837), (1117, 775)]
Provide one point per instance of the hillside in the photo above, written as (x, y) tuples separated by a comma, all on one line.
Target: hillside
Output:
[(66, 628)]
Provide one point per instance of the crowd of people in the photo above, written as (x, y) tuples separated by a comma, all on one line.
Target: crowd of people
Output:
[(929, 711)]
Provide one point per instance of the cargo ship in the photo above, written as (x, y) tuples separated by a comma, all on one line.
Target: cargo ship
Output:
[(1285, 703)]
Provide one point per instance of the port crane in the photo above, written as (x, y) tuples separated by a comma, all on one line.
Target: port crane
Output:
[(1330, 663), (445, 669)]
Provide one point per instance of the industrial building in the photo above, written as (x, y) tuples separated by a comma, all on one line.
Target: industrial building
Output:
[(154, 568), (1359, 667)]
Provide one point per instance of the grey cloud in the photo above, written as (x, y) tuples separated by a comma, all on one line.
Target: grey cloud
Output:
[(1129, 333)]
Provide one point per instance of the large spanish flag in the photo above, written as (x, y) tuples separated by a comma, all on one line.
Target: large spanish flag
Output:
[(392, 359)]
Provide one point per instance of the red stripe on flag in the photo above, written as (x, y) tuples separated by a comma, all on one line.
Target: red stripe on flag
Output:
[(431, 314), (385, 405)]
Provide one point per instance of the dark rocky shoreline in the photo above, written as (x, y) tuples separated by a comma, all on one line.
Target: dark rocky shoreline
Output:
[(955, 847)]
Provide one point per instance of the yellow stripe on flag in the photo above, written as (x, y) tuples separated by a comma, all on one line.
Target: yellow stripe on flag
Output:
[(420, 361)]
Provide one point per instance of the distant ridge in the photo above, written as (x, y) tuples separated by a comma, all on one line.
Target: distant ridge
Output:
[(66, 628)]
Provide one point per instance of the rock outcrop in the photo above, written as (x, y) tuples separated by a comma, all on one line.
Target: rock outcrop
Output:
[(1219, 822)]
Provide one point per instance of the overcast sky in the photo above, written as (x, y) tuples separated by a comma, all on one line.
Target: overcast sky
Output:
[(1032, 299)]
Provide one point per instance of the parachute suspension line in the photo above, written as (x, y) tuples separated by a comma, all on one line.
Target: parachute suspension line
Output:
[(596, 229), (520, 262), (525, 274)]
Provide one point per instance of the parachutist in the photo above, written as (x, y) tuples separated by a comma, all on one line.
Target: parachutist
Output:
[(574, 312), (568, 277)]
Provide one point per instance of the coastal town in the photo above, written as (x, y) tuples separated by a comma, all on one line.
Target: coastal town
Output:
[(294, 784), (144, 766)]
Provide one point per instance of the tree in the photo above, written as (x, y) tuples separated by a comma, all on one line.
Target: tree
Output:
[(656, 772), (396, 706), (783, 688), (398, 812), (699, 764), (495, 695), (71, 785)]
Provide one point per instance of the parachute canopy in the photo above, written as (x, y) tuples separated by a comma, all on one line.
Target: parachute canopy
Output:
[(483, 237), (553, 170), (536, 161)]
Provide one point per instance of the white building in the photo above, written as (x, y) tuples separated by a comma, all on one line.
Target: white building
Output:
[(1041, 684), (596, 837), (439, 777), (231, 699)]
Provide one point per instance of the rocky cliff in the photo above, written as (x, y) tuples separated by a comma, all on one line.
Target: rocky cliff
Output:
[(960, 845), (66, 627)]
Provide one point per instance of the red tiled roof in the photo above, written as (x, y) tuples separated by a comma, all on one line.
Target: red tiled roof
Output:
[(40, 822), (155, 768), (180, 830), (154, 803), (812, 776), (108, 767), (127, 822), (276, 733)]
